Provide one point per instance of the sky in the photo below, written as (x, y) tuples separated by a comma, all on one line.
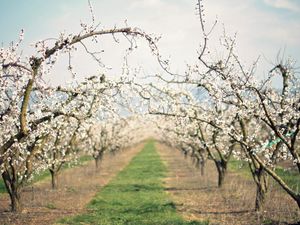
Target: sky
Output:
[(263, 28)]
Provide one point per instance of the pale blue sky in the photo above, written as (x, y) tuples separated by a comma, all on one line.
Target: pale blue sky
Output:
[(263, 26)]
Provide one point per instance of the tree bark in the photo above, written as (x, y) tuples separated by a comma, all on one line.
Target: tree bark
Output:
[(97, 162), (14, 192), (202, 168), (222, 169), (295, 195), (16, 205), (54, 179), (298, 201), (262, 185)]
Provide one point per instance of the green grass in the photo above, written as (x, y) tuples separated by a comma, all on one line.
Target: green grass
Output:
[(2, 187), (135, 196), (239, 166), (291, 177), (46, 174), (51, 206)]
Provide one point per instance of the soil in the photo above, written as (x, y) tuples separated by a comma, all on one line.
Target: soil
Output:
[(77, 186), (198, 198)]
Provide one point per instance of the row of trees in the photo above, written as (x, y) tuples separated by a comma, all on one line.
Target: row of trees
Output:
[(44, 127), (220, 109)]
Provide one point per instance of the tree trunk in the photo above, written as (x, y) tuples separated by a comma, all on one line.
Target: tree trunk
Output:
[(221, 177), (97, 162), (222, 169), (202, 168), (54, 179), (260, 197), (15, 198), (14, 192), (298, 201), (262, 185), (98, 159), (295, 195)]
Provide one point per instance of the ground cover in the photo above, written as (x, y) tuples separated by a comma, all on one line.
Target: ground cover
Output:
[(290, 176), (76, 188), (135, 196), (197, 197), (46, 174)]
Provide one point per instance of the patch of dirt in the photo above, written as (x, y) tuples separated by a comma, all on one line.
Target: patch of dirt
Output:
[(198, 198), (77, 186)]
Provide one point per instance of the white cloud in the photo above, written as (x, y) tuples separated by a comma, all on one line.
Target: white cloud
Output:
[(284, 4)]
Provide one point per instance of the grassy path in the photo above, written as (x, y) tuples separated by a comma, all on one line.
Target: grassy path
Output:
[(135, 196)]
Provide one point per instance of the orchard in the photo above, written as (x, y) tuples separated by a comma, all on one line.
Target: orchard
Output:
[(222, 118)]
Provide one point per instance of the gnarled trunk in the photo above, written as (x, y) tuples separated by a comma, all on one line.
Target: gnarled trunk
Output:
[(15, 197), (14, 191), (262, 184)]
